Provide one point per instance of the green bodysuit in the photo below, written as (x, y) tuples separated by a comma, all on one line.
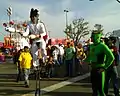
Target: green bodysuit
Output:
[(100, 57)]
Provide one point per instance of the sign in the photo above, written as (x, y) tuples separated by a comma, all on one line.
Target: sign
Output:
[(54, 41), (9, 11), (7, 42)]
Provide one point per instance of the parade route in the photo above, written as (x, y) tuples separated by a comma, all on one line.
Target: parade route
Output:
[(8, 86), (80, 88), (60, 85), (76, 86)]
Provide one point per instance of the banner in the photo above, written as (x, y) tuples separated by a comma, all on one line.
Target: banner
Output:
[(54, 41), (7, 42)]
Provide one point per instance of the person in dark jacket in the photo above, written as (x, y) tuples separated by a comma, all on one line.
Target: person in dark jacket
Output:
[(19, 75), (111, 72)]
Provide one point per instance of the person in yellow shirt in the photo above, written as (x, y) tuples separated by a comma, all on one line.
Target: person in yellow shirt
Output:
[(80, 52), (80, 56), (25, 64)]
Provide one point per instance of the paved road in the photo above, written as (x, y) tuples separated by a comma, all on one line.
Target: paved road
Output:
[(80, 88), (8, 86)]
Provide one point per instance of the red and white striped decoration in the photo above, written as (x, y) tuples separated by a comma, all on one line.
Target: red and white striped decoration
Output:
[(9, 11)]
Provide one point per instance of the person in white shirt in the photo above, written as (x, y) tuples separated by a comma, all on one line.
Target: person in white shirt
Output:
[(36, 31), (55, 55), (61, 53), (55, 60), (24, 42)]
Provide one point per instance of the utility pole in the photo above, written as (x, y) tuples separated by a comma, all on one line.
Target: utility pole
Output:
[(9, 13), (66, 17)]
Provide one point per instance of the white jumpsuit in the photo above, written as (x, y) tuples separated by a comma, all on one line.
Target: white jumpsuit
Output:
[(37, 29)]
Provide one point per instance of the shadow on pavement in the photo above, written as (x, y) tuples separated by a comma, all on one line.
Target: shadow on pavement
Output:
[(85, 85), (11, 85), (68, 94), (8, 76), (7, 80), (86, 80), (10, 92)]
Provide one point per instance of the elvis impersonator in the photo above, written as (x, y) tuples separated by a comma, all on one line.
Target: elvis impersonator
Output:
[(36, 32)]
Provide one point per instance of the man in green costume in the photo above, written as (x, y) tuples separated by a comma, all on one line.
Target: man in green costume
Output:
[(100, 57)]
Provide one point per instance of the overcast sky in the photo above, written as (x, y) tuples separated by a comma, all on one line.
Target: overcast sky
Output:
[(105, 12)]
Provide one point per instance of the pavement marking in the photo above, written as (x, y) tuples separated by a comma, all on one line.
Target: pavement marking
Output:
[(59, 85)]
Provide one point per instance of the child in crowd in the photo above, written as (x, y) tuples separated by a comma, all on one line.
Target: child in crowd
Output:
[(19, 75), (25, 63)]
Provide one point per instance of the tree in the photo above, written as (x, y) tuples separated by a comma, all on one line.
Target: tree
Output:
[(77, 29)]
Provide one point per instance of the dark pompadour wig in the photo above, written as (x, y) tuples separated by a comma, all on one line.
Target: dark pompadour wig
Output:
[(33, 13)]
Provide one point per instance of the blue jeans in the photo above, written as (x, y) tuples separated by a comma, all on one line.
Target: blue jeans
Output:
[(112, 74), (50, 70), (26, 73), (69, 67), (60, 59), (78, 66), (56, 62)]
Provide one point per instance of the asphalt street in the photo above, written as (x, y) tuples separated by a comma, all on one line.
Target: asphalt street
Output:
[(8, 86)]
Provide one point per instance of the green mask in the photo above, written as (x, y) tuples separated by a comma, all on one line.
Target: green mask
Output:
[(96, 37)]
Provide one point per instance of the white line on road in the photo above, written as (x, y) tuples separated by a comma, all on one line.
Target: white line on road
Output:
[(59, 85)]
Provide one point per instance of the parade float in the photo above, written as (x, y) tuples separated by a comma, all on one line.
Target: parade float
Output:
[(13, 27)]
